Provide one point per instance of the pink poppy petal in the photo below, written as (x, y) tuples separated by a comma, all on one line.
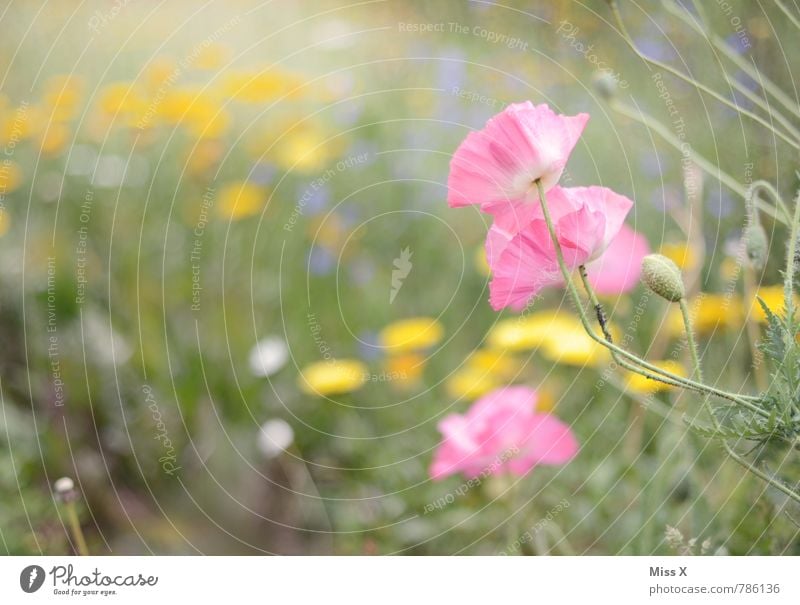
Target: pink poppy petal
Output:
[(618, 269)]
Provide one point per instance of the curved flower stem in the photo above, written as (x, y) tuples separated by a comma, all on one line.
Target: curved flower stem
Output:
[(753, 191), (722, 46), (703, 163), (699, 85), (602, 320), (660, 372), (698, 370)]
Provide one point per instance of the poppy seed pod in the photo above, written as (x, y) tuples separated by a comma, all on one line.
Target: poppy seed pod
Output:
[(663, 277)]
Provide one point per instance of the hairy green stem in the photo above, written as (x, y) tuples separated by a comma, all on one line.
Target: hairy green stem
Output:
[(573, 292), (687, 323)]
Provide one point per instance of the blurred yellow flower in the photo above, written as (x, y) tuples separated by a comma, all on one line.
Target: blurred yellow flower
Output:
[(730, 268), (481, 264), (203, 157), (709, 313), (643, 385), (203, 117), (411, 335), (773, 298), (15, 125), (210, 56), (161, 71), (304, 148), (54, 140), (62, 97), (570, 344), (122, 101), (5, 222), (208, 122), (471, 383), (546, 402), (682, 254), (527, 332), (405, 370), (240, 199), (499, 363), (329, 231), (10, 176), (261, 87), (332, 377)]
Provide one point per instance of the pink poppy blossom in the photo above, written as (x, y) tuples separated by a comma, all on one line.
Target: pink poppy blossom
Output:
[(618, 269), (521, 253), (502, 433), (500, 163)]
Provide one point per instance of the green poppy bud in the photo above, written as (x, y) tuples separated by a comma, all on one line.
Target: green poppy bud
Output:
[(663, 277), (605, 84)]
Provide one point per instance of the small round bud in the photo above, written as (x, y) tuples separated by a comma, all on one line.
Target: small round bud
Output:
[(605, 84), (663, 277), (756, 245), (65, 489)]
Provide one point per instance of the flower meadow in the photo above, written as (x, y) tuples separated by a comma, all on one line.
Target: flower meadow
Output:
[(400, 278)]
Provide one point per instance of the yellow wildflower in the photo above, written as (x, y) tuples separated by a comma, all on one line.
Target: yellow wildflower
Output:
[(498, 363), (527, 332), (570, 344), (240, 199), (405, 370), (122, 101), (203, 157), (261, 87), (54, 140), (160, 72), (471, 383), (10, 177), (62, 96), (773, 298), (210, 56), (481, 264), (682, 254), (5, 222), (332, 377), (411, 334), (709, 313), (643, 385)]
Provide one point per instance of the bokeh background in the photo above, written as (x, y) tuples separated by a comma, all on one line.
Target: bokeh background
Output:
[(202, 199)]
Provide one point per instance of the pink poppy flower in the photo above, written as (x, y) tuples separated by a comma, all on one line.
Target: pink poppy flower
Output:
[(618, 269), (520, 251), (502, 433), (500, 163)]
